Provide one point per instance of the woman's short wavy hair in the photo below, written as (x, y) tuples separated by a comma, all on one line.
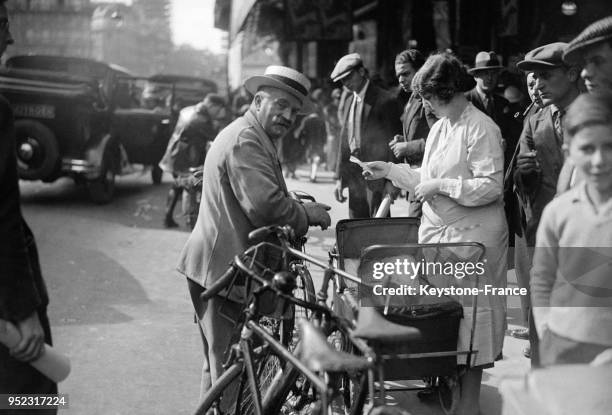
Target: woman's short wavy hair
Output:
[(442, 75)]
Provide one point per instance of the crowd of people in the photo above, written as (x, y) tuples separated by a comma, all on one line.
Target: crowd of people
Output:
[(476, 166)]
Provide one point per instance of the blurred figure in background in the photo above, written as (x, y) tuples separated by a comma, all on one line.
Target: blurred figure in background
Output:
[(313, 126), (241, 99), (332, 126), (195, 129)]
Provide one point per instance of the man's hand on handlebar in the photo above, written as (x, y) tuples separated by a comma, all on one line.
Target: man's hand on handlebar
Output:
[(317, 214)]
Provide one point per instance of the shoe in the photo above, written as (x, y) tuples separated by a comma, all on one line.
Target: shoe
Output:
[(170, 223), (527, 352), (522, 334)]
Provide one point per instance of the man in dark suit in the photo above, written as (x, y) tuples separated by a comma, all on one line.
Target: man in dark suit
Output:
[(540, 156), (372, 119), (486, 72), (23, 295), (409, 146)]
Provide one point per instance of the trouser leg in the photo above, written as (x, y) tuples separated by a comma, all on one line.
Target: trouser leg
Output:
[(216, 331), (174, 195)]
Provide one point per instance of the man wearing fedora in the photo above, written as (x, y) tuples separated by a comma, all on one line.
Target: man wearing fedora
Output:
[(244, 190), (371, 120), (592, 49), (540, 156), (486, 72)]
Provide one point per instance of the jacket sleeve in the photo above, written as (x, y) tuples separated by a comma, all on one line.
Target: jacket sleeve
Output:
[(393, 120), (251, 171), (526, 183), (545, 265), (19, 296), (485, 161)]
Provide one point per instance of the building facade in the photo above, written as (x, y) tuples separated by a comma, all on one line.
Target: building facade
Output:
[(53, 27), (312, 35)]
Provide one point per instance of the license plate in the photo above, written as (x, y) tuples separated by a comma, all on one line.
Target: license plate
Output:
[(34, 111)]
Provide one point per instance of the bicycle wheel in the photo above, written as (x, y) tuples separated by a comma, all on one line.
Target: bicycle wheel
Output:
[(291, 392)]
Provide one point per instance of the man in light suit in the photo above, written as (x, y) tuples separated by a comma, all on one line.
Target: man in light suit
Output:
[(243, 190), (371, 120), (540, 156)]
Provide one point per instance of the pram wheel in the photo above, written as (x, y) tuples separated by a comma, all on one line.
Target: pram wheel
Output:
[(449, 393)]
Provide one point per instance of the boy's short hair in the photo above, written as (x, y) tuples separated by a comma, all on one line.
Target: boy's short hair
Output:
[(587, 110), (412, 57)]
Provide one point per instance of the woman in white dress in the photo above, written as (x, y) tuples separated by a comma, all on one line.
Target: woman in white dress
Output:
[(461, 186)]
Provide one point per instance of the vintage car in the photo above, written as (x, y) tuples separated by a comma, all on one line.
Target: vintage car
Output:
[(81, 118), (184, 90)]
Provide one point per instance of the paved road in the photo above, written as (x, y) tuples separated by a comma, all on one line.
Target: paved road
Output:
[(123, 315)]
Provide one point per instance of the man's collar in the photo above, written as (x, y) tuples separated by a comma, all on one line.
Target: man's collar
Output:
[(251, 119), (482, 94), (554, 109), (361, 94)]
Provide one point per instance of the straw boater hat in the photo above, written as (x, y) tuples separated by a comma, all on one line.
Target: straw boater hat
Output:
[(283, 78), (485, 61), (599, 31)]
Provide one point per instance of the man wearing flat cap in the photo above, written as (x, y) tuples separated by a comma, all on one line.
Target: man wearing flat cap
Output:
[(540, 156), (244, 190), (592, 49), (371, 120)]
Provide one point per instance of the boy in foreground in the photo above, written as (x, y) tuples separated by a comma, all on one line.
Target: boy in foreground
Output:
[(571, 286)]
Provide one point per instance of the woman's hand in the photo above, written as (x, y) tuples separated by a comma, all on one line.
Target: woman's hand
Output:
[(427, 190), (374, 170)]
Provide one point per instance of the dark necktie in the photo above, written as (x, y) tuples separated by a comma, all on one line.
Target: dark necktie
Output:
[(488, 104), (558, 123)]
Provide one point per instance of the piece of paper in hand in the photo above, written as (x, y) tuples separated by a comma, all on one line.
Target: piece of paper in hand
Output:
[(361, 164)]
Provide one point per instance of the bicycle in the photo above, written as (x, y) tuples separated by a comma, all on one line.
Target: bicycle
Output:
[(250, 357), (294, 388)]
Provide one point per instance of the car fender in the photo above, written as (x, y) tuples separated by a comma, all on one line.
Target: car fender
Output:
[(96, 151)]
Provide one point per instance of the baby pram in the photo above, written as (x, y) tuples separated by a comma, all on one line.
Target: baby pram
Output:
[(362, 243)]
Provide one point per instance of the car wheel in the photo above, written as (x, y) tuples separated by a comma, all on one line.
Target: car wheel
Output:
[(156, 174), (102, 189), (37, 150)]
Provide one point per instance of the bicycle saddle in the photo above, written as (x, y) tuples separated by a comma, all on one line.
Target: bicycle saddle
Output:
[(371, 325), (319, 356)]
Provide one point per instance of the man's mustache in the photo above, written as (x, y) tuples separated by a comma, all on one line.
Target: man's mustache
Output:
[(282, 121)]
